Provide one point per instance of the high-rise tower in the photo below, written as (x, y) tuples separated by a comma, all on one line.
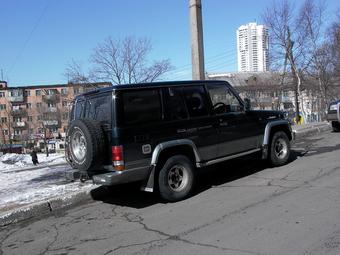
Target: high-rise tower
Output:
[(252, 48)]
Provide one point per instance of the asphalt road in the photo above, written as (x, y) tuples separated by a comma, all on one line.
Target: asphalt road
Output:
[(240, 207)]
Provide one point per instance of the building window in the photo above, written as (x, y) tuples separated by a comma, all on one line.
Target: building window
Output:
[(5, 132), (64, 103), (76, 91), (38, 92), (51, 105), (39, 105), (2, 94), (30, 118), (65, 116), (29, 105), (17, 132), (2, 107), (39, 117), (3, 119), (17, 119), (27, 93), (64, 91)]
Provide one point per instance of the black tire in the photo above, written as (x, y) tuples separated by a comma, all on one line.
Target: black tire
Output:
[(176, 178), (86, 145), (279, 150), (335, 126)]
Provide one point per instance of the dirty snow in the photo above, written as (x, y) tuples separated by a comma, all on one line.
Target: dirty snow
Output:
[(23, 183)]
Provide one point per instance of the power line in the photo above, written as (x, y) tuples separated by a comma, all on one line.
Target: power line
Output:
[(35, 26)]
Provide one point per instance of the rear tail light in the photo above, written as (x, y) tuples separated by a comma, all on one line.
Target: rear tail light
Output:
[(118, 157)]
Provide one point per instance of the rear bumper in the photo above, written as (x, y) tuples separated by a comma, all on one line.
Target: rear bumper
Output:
[(119, 177), (332, 117)]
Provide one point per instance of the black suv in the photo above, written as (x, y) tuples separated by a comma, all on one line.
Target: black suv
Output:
[(160, 133)]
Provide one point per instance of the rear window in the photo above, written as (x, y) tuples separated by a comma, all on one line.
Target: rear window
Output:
[(99, 108), (78, 109), (141, 107)]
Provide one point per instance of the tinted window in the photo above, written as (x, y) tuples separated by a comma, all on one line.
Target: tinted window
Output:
[(79, 109), (196, 101), (99, 108), (141, 107), (174, 105), (223, 100)]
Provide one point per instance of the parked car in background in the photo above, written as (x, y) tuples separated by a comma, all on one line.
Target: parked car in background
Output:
[(333, 115)]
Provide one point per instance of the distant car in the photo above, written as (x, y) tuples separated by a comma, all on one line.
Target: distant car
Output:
[(333, 115)]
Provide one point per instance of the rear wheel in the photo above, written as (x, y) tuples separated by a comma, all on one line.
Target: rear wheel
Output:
[(86, 144), (176, 178), (279, 149)]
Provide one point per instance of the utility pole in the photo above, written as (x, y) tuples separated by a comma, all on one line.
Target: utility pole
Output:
[(197, 50)]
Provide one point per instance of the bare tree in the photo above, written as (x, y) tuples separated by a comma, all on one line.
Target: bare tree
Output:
[(333, 44), (294, 39), (125, 61), (120, 62), (75, 74)]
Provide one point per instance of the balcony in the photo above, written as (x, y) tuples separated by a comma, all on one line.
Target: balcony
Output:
[(19, 113), (54, 98), (51, 123), (16, 95), (20, 124), (16, 99), (17, 138), (51, 110), (286, 99)]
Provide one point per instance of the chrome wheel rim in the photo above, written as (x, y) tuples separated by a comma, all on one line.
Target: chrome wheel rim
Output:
[(78, 145), (280, 148), (177, 178)]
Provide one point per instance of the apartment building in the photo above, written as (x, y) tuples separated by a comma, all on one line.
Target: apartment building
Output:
[(30, 113), (252, 48)]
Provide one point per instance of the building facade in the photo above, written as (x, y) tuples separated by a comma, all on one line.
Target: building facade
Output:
[(252, 48), (30, 113)]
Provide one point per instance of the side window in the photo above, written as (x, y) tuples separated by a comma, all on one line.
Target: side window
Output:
[(79, 109), (223, 100), (99, 108), (196, 101), (174, 106), (141, 107)]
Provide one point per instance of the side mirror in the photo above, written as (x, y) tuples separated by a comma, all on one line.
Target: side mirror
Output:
[(247, 104)]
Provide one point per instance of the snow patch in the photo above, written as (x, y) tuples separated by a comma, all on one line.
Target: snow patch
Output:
[(23, 183)]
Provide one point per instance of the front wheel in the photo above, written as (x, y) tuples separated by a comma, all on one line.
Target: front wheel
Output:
[(176, 178), (279, 149)]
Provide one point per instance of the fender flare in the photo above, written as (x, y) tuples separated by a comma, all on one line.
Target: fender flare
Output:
[(267, 133), (165, 145)]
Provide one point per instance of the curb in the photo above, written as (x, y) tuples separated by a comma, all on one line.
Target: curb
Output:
[(312, 130), (45, 207)]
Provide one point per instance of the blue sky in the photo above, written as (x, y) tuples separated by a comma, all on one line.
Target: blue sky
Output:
[(39, 37)]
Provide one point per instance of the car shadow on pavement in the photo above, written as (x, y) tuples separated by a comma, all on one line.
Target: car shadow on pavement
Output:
[(129, 195)]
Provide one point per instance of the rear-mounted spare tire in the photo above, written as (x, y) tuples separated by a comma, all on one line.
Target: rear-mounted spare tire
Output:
[(86, 144)]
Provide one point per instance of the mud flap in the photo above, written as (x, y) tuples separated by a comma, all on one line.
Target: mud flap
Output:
[(148, 184)]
